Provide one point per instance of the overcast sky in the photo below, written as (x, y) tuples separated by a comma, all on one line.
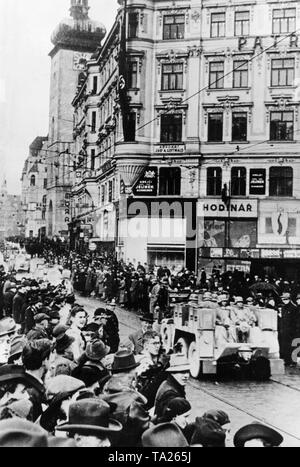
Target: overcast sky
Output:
[(25, 30)]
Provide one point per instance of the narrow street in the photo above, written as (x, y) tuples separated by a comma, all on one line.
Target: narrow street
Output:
[(245, 401)]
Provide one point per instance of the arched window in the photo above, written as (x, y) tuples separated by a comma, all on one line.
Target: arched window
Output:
[(32, 180)]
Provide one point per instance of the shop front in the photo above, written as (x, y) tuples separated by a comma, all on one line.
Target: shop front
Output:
[(226, 234)]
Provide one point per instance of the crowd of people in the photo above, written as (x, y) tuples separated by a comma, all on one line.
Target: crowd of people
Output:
[(66, 379)]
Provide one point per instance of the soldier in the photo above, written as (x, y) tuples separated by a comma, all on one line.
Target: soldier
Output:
[(287, 322), (243, 318), (225, 330)]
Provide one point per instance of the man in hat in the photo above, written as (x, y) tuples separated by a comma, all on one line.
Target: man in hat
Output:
[(164, 435), (257, 435), (287, 328), (174, 386), (19, 305), (136, 339), (208, 433), (90, 423), (130, 404), (41, 327)]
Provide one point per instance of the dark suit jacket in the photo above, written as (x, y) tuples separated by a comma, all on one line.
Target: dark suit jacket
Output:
[(167, 391)]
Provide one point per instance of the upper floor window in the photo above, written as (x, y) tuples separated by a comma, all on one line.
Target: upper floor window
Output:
[(216, 75), (282, 126), (170, 181), (217, 26), (240, 74), (283, 71), (45, 183), (95, 85), (94, 121), (32, 180), (131, 126), (93, 158), (173, 27), (171, 128), (241, 23), (172, 76), (215, 127), (133, 22), (214, 181), (284, 20), (238, 181), (239, 126), (281, 181), (132, 75)]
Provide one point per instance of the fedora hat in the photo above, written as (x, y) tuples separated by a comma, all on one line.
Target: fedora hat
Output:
[(14, 373), (257, 430), (96, 350), (218, 416), (164, 435), (208, 433), (63, 384), (90, 416), (123, 361), (178, 364), (16, 432), (17, 345), (7, 326)]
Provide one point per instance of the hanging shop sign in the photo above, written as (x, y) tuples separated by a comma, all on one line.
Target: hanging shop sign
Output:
[(147, 185), (236, 208), (291, 254), (270, 254), (257, 182)]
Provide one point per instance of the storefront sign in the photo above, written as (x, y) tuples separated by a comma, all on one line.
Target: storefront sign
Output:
[(257, 181), (250, 253), (230, 253), (269, 254), (291, 254), (237, 208), (147, 185), (216, 252), (170, 149)]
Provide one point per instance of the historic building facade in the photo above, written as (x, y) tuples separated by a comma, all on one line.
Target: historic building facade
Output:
[(213, 105), (34, 189), (11, 217), (74, 41)]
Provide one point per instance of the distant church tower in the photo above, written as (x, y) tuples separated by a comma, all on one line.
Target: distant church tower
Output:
[(74, 40)]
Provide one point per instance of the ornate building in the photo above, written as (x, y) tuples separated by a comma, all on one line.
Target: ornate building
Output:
[(34, 189), (74, 41), (212, 133)]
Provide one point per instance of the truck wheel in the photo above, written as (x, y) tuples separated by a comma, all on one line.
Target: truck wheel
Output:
[(166, 336), (194, 361), (183, 343)]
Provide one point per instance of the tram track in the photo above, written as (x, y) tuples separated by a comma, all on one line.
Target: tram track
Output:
[(197, 385)]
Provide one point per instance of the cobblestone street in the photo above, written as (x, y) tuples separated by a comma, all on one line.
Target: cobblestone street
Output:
[(273, 402)]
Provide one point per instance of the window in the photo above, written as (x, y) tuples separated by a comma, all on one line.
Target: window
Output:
[(268, 225), (132, 75), (172, 76), (214, 181), (215, 127), (45, 183), (44, 200), (284, 20), (282, 126), (94, 120), (239, 126), (32, 180), (292, 227), (238, 181), (133, 22), (110, 191), (217, 27), (281, 181), (240, 74), (43, 215), (241, 23), (173, 27), (282, 73), (93, 157), (103, 194), (131, 126), (216, 75), (95, 85), (170, 181), (171, 128)]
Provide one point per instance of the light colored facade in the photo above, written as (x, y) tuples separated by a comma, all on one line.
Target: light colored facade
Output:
[(214, 89), (34, 189), (74, 40), (10, 214)]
